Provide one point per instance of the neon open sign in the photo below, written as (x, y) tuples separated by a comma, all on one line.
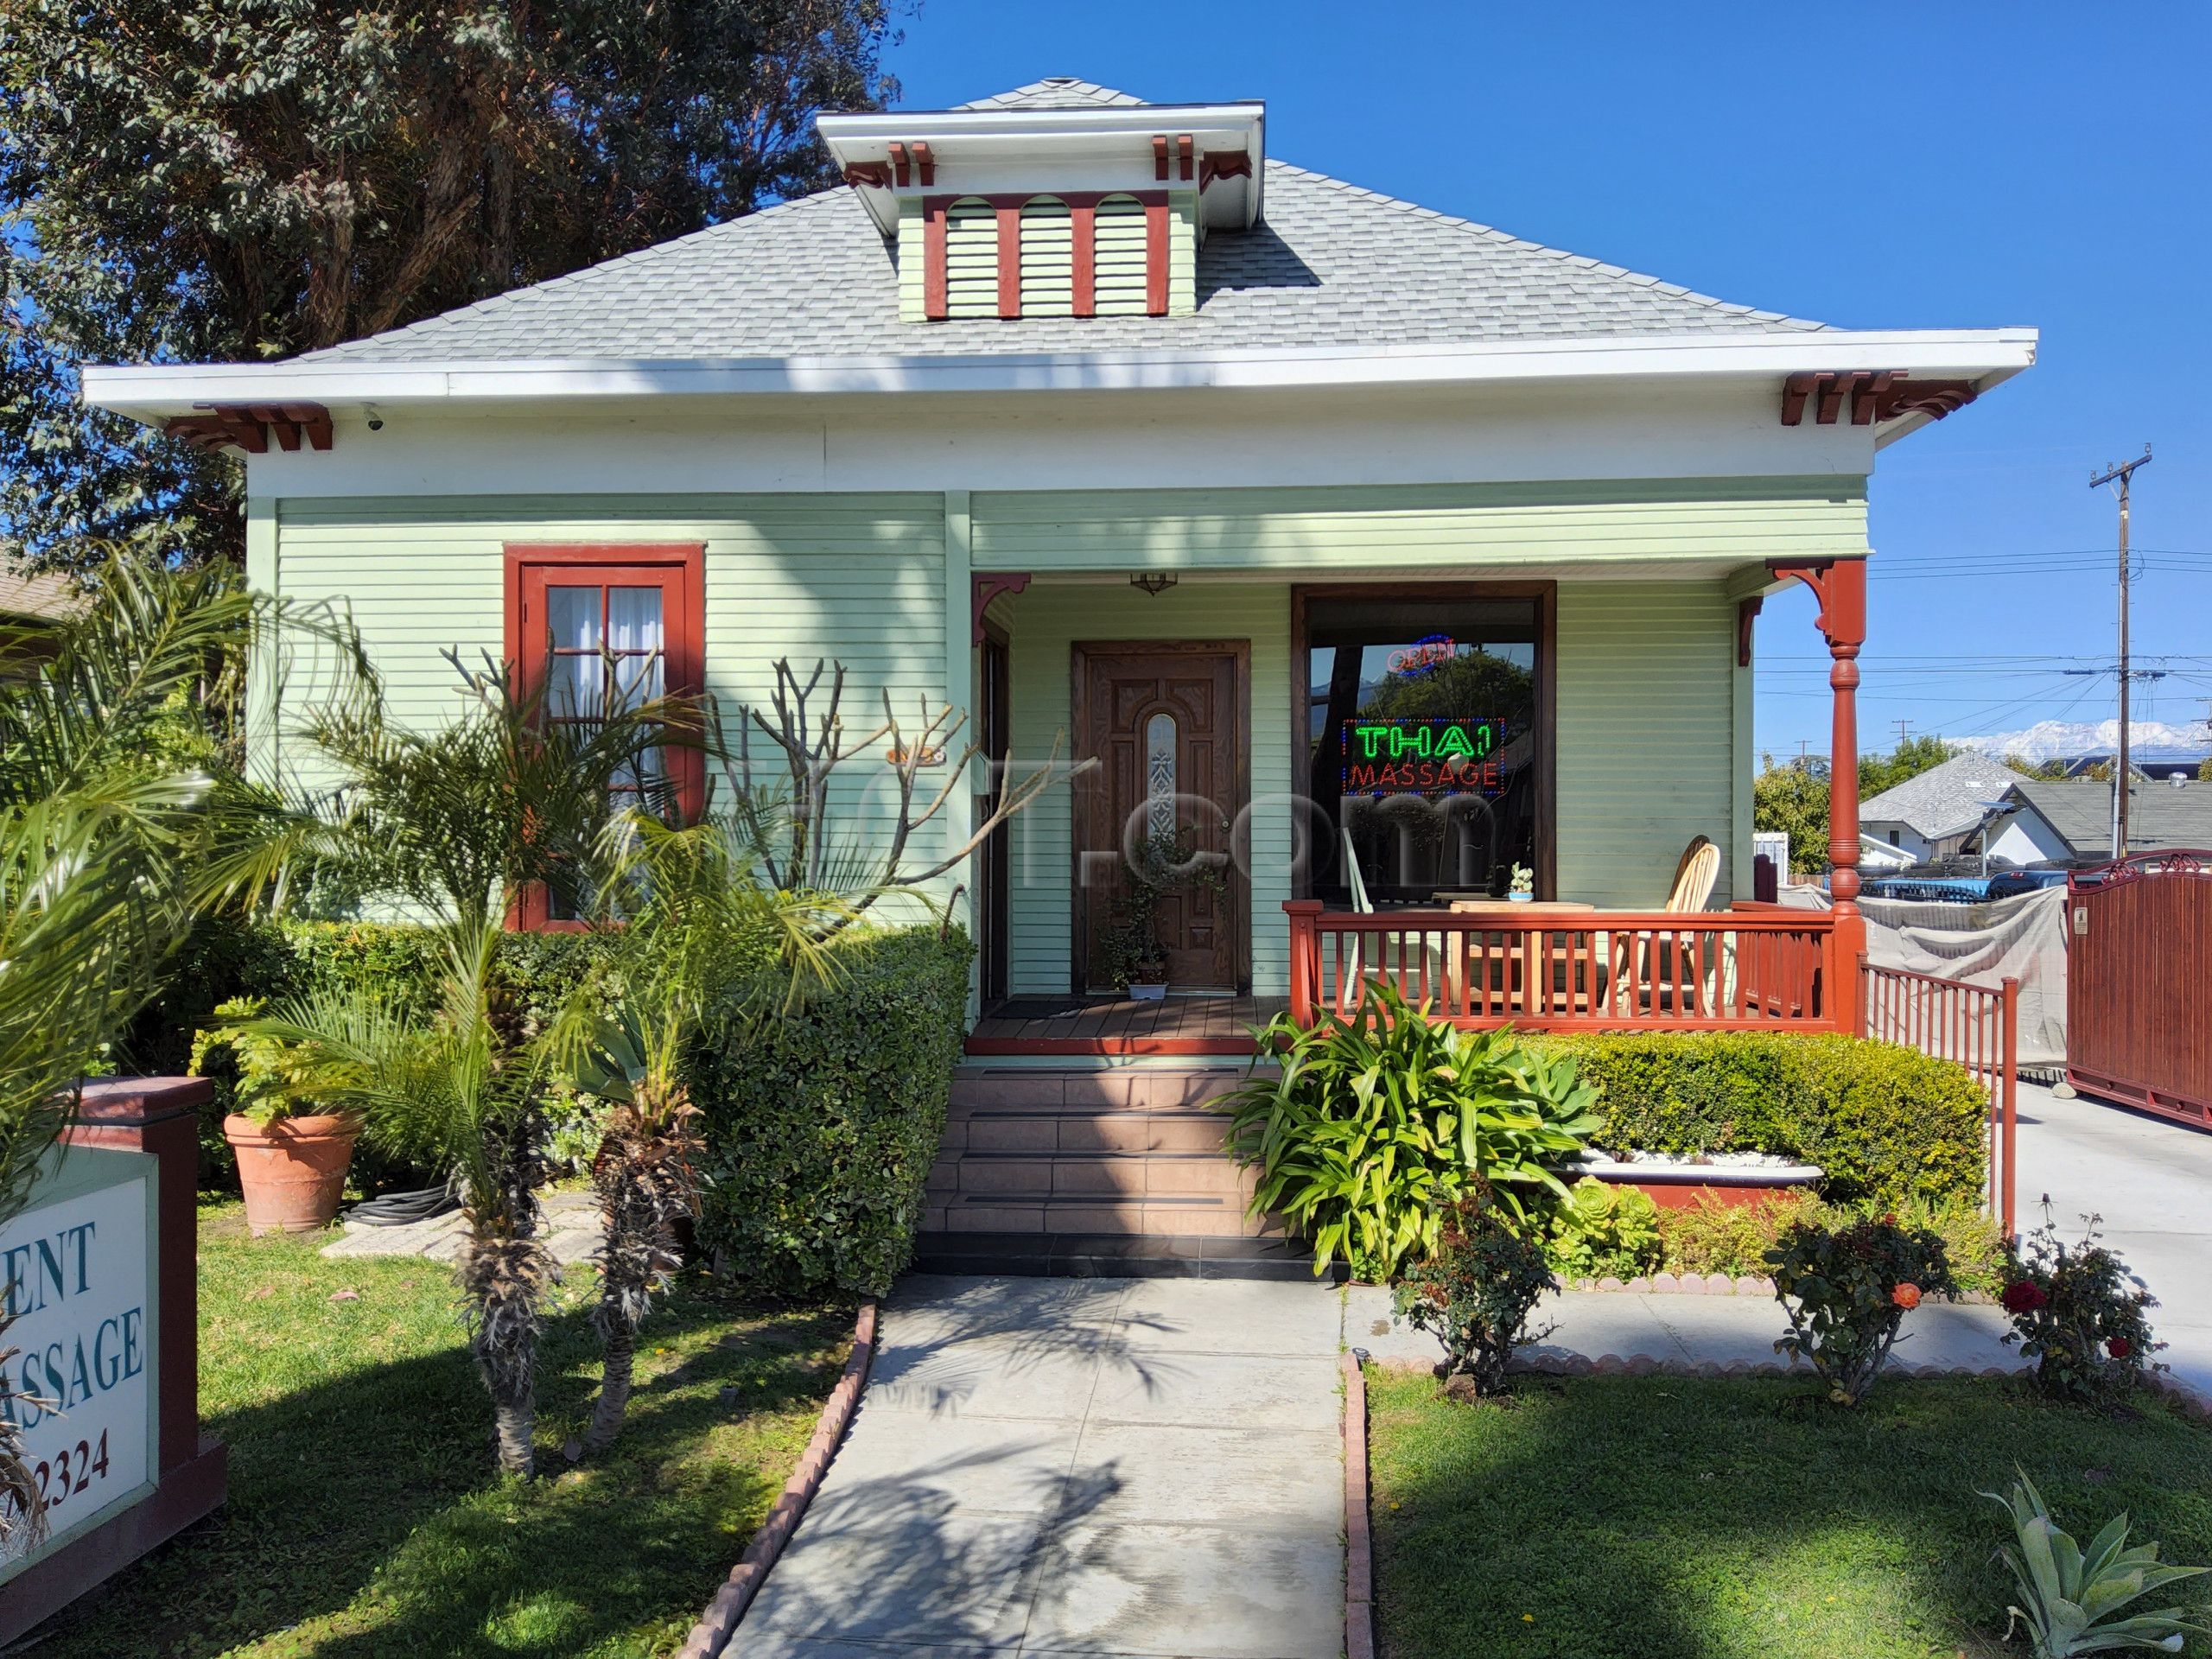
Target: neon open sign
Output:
[(1413, 755), (1424, 656)]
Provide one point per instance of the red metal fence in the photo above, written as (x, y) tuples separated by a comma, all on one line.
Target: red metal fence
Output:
[(2139, 982), (1978, 1027), (1754, 968)]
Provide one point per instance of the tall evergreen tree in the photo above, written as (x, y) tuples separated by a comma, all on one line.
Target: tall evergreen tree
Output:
[(236, 180)]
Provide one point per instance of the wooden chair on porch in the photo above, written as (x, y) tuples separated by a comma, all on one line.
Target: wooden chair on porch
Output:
[(1650, 977)]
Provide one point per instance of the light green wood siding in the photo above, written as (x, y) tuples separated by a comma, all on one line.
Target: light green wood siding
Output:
[(971, 259), (857, 578), (1119, 261), (1045, 622), (1182, 253), (1649, 740), (1047, 258), (1743, 521), (911, 260)]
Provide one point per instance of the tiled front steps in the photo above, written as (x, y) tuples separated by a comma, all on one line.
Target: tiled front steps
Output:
[(1091, 1168)]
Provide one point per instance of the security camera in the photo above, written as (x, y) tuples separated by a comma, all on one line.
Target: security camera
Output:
[(376, 421)]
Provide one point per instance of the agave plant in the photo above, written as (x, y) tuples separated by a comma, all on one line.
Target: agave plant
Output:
[(2075, 1598), (1377, 1119), (697, 938)]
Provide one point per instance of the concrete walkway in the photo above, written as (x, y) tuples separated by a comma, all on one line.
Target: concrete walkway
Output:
[(2152, 1180), (1072, 1467)]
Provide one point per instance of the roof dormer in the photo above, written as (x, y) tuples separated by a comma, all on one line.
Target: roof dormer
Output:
[(1059, 199)]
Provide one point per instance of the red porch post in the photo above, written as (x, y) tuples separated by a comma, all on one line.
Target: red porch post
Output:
[(1305, 956), (1840, 586)]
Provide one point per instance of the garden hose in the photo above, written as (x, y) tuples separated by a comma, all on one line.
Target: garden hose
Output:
[(398, 1208)]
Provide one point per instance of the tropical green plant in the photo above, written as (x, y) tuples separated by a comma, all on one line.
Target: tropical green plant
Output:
[(2079, 1314), (2075, 1598), (1847, 1289), (1604, 1227), (1476, 1292), (693, 925), (463, 1094), (1376, 1119), (269, 1078), (116, 827)]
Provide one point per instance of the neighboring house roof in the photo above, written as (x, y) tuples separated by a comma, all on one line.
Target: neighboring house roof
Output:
[(2159, 815), (38, 598), (1945, 800), (1331, 265)]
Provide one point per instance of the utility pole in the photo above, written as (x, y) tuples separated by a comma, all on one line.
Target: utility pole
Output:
[(2123, 475), (1901, 726)]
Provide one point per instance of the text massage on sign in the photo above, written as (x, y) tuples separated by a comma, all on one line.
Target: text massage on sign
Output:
[(80, 1383), (1423, 756)]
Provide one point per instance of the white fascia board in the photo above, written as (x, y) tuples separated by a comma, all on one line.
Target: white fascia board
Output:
[(157, 391), (935, 126)]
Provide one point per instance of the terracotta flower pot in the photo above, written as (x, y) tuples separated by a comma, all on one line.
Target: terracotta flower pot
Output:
[(293, 1171)]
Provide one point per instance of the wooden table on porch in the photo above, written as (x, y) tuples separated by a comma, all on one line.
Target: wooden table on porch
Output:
[(1509, 969)]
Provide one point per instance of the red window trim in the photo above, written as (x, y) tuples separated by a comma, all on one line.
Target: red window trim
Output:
[(683, 621)]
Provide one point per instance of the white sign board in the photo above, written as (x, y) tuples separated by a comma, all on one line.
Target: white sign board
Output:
[(81, 1381)]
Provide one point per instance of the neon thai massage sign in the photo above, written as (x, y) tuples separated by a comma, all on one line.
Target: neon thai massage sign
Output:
[(1423, 756)]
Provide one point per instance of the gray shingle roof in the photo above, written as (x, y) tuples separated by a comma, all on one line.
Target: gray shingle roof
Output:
[(1944, 800), (2160, 817), (1331, 265), (1056, 93)]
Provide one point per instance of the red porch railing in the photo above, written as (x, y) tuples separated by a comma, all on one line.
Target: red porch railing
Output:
[(1754, 968), (1977, 1026)]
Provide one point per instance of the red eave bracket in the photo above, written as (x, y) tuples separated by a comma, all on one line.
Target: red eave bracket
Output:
[(985, 588), (251, 426), (1874, 396)]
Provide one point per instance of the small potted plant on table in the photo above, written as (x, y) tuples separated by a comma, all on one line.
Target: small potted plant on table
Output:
[(292, 1156), (1521, 887)]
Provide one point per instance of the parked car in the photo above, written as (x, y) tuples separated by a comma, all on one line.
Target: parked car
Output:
[(2012, 883), (1928, 889)]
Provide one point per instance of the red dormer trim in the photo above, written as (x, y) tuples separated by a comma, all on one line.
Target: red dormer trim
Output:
[(1082, 217), (1009, 215)]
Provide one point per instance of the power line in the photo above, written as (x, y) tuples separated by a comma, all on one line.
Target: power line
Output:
[(2124, 475)]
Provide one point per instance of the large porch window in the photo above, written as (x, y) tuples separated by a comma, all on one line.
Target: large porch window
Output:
[(1424, 733)]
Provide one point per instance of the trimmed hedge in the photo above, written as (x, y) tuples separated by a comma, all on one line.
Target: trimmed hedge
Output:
[(820, 1126), (1882, 1121)]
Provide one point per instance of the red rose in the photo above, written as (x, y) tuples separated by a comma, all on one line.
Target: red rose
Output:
[(2118, 1348), (1890, 1220), (2024, 1296), (1906, 1296)]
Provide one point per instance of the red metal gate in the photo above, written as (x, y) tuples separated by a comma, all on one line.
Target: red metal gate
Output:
[(1976, 1025), (2139, 982)]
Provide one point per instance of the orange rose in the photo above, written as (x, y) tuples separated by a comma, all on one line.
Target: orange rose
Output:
[(1906, 1295)]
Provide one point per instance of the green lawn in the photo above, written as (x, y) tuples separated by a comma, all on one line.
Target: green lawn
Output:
[(1661, 1518), (364, 1516)]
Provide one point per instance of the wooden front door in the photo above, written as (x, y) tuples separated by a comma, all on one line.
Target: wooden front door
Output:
[(1166, 723)]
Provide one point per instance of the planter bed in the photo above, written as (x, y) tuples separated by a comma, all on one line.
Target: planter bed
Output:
[(1672, 1517), (1727, 1177), (365, 1517)]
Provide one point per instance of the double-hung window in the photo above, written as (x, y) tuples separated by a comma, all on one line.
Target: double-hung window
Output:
[(599, 628)]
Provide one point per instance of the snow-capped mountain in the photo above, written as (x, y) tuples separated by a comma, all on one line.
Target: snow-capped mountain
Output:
[(2050, 739)]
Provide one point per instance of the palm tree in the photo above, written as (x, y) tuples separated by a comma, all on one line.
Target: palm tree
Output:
[(462, 1095), (119, 821), (697, 936), (453, 824)]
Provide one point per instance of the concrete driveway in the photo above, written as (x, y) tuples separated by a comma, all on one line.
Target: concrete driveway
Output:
[(2151, 1181)]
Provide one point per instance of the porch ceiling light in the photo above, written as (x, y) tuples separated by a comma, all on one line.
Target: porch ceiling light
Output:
[(1154, 582)]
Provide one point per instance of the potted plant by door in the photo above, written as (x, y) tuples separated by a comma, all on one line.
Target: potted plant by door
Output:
[(1166, 863), (292, 1157), (1521, 887)]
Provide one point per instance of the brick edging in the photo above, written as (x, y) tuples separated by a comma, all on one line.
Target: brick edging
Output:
[(719, 1622), (1359, 1550)]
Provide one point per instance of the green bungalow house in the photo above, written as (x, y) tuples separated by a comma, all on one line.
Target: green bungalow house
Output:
[(1370, 552)]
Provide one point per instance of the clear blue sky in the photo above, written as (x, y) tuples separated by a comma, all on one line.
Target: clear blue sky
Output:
[(1872, 165)]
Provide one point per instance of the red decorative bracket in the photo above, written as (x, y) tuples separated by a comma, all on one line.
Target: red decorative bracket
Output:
[(1746, 611), (250, 426), (1840, 586), (1185, 148), (1875, 396), (925, 163), (1225, 164), (875, 172), (1159, 156), (985, 588)]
